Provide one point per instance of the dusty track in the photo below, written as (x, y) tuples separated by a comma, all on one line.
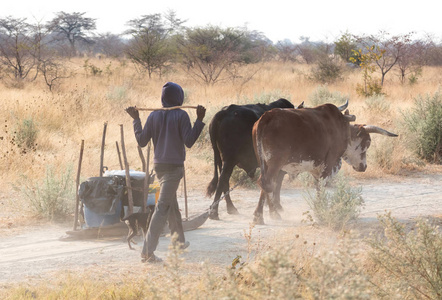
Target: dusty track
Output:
[(37, 253)]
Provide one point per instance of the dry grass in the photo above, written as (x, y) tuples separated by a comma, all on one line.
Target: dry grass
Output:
[(299, 263), (77, 110), (80, 105)]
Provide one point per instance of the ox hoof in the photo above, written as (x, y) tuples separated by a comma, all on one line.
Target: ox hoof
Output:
[(258, 220), (279, 208), (214, 216), (275, 215), (232, 211)]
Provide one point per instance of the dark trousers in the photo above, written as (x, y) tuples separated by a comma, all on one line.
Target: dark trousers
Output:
[(167, 209)]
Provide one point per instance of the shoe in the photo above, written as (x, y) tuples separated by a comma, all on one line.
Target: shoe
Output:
[(185, 245), (151, 259)]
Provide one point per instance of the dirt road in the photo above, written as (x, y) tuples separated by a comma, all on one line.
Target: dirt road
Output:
[(38, 252)]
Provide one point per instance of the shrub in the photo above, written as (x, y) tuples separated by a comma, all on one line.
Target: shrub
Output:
[(339, 274), (327, 71), (424, 123), (52, 198), (26, 134), (370, 88), (408, 264), (89, 68), (265, 98), (322, 95), (239, 176), (117, 93), (376, 104), (276, 275), (335, 209), (385, 153)]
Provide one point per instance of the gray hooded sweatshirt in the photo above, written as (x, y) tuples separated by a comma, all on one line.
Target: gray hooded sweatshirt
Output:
[(169, 130)]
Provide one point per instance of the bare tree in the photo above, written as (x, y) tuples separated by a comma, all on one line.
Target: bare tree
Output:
[(411, 62), (53, 72), (286, 51), (17, 51), (73, 28), (306, 50), (109, 44), (388, 50)]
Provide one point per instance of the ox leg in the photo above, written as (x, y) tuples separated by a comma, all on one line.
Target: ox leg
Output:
[(277, 192), (223, 187), (272, 208), (213, 214), (258, 218), (231, 209)]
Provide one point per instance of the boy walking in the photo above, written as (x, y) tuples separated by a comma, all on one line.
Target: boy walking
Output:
[(170, 131)]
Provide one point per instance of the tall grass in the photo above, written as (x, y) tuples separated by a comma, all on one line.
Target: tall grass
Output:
[(80, 105)]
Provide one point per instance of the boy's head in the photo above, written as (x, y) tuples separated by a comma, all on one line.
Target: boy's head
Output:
[(172, 95)]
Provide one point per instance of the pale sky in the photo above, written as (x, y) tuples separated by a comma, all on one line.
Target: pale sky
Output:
[(276, 19)]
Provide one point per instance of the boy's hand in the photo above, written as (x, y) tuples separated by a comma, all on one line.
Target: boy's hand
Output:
[(133, 112), (200, 112)]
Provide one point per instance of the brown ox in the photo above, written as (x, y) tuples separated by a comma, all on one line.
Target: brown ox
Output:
[(307, 140)]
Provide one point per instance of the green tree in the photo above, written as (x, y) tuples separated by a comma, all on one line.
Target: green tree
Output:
[(366, 62), (212, 54), (150, 47), (344, 47)]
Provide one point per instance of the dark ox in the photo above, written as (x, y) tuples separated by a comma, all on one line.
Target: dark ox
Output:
[(307, 140), (231, 136)]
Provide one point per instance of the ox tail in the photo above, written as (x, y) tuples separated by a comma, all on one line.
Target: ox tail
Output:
[(257, 144), (211, 188)]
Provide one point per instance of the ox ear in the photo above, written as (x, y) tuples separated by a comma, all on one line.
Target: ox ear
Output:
[(300, 105), (375, 129), (348, 117), (343, 107)]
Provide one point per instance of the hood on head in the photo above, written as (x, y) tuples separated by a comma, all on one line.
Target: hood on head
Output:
[(172, 95)]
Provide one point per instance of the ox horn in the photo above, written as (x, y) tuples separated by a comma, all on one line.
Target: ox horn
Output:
[(348, 117), (301, 105), (375, 129), (343, 107)]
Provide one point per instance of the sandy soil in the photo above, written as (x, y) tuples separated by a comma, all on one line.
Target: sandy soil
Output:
[(37, 252)]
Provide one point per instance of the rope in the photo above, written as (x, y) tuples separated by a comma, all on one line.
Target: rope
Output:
[(228, 192)]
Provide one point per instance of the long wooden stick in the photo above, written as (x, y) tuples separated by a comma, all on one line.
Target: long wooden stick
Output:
[(77, 201), (166, 108), (119, 156), (185, 194), (146, 180), (126, 166), (143, 160), (102, 149)]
